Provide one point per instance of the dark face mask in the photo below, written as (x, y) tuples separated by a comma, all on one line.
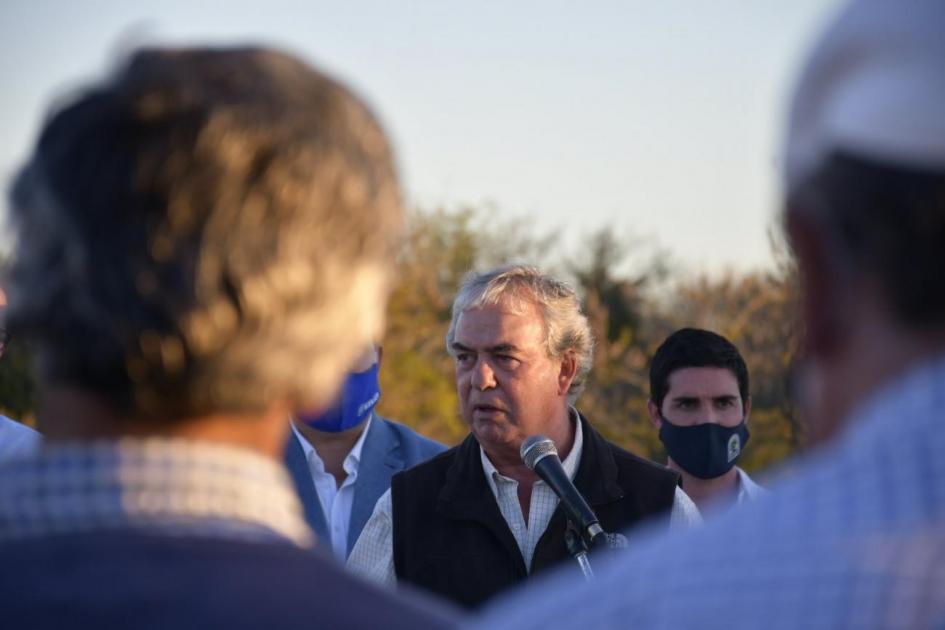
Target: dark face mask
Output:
[(704, 450)]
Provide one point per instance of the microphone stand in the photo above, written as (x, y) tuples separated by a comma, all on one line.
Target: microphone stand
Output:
[(578, 550), (578, 546)]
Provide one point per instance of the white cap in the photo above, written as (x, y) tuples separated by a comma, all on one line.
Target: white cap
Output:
[(874, 86)]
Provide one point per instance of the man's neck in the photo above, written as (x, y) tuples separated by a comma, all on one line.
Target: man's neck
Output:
[(704, 492), (508, 461), (876, 350), (332, 448), (69, 414)]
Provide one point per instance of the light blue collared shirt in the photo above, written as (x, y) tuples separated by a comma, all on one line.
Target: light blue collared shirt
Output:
[(165, 486)]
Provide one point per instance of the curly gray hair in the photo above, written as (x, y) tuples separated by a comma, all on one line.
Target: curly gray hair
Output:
[(208, 230), (515, 285)]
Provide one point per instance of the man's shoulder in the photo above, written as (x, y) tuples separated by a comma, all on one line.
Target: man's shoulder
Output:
[(439, 462), (436, 469), (642, 473), (179, 568), (633, 464), (208, 554), (626, 458), (421, 445), (748, 487)]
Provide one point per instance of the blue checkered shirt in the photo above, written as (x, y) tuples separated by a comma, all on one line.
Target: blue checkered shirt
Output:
[(156, 485), (854, 539)]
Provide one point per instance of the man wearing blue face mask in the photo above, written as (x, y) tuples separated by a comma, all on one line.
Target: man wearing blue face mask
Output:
[(342, 459), (699, 402)]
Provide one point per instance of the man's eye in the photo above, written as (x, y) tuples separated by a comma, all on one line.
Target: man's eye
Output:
[(725, 403), (506, 360), (463, 358)]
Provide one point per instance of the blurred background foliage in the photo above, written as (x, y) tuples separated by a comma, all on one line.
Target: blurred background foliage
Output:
[(633, 298), (17, 395)]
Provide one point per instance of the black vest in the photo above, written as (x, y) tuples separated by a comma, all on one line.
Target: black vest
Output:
[(449, 536)]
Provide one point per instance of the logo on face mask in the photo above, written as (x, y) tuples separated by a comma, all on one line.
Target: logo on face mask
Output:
[(704, 450), (734, 448), (359, 396)]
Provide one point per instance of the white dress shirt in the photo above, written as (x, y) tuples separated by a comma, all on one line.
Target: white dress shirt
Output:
[(748, 490), (335, 501), (373, 554), (543, 501)]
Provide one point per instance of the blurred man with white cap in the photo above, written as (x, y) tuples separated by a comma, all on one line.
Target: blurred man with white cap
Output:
[(855, 539)]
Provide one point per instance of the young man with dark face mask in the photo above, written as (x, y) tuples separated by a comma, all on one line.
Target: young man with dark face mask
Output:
[(699, 402), (342, 459)]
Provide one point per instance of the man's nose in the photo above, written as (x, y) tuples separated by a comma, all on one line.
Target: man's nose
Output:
[(713, 415), (482, 375)]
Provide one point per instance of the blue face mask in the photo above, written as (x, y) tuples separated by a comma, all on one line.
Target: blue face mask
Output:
[(359, 395)]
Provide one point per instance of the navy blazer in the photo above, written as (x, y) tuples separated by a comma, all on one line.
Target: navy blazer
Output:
[(389, 448)]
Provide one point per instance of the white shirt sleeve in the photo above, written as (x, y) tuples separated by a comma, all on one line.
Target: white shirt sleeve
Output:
[(685, 514), (373, 555)]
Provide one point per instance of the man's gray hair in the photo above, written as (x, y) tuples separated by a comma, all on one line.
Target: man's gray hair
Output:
[(515, 286), (208, 230)]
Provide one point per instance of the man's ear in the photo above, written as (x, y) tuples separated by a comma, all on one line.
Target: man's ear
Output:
[(567, 373), (746, 408), (820, 288), (655, 419)]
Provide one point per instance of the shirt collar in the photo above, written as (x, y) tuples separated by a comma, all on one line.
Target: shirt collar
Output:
[(742, 494), (570, 463), (748, 490), (352, 459), (160, 485)]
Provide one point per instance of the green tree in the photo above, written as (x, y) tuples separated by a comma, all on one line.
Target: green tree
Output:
[(615, 304)]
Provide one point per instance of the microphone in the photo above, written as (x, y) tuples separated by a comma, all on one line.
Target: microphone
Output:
[(540, 455)]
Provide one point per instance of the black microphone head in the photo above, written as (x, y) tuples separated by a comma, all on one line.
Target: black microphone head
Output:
[(535, 448)]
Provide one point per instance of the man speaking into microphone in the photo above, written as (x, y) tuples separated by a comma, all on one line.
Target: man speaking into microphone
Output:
[(475, 519)]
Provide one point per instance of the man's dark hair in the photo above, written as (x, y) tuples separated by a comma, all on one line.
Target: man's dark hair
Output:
[(207, 230), (888, 221), (694, 347)]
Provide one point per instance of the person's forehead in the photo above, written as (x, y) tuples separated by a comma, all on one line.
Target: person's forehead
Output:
[(702, 381), (501, 323)]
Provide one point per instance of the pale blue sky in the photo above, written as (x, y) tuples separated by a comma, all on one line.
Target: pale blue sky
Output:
[(658, 119)]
